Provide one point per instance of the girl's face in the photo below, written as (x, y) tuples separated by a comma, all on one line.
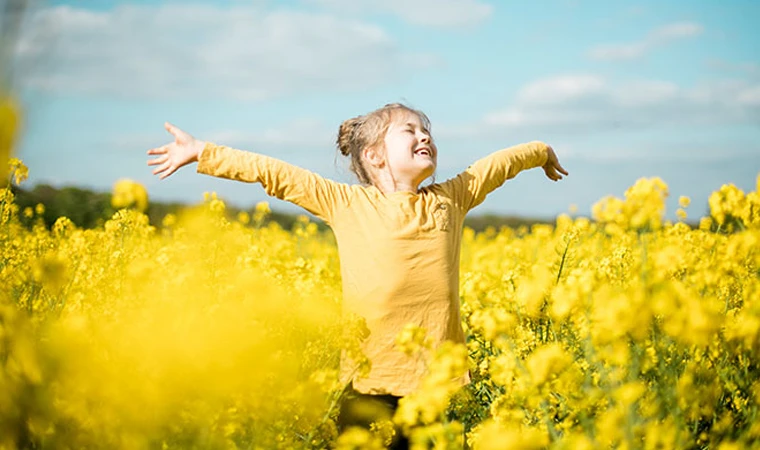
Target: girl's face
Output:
[(410, 153)]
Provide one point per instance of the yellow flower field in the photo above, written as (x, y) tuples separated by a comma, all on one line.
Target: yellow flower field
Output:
[(618, 331)]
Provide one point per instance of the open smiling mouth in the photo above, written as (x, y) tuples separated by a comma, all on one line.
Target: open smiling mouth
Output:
[(423, 152)]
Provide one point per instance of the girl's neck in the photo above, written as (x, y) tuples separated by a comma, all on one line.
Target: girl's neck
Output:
[(387, 185)]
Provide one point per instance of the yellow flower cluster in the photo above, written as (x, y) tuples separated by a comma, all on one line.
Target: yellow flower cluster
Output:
[(730, 208), (17, 170), (205, 334), (637, 340), (624, 332), (129, 194), (642, 209)]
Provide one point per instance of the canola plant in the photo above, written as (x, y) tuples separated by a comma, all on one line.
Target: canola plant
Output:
[(618, 331)]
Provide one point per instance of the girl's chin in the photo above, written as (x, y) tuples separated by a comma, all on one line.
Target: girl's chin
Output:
[(429, 172)]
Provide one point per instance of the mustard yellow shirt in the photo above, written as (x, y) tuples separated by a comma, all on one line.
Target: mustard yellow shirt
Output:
[(399, 252)]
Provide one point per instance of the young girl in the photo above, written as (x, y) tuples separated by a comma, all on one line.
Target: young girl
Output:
[(398, 242)]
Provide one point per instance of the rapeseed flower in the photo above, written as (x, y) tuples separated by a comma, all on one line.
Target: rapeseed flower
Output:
[(129, 194), (628, 331)]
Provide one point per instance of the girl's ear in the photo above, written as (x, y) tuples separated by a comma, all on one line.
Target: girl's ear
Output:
[(373, 156)]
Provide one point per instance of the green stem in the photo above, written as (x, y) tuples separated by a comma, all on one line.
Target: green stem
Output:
[(562, 262)]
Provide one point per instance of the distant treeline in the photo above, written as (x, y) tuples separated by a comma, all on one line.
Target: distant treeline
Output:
[(90, 209)]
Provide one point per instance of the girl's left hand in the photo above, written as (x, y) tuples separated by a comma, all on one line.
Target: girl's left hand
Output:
[(169, 158), (552, 168)]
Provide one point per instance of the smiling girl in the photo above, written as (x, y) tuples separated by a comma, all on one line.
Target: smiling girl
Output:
[(398, 241)]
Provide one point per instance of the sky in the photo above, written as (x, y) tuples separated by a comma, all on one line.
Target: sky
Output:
[(620, 90)]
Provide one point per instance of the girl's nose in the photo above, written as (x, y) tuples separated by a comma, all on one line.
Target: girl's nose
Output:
[(424, 137)]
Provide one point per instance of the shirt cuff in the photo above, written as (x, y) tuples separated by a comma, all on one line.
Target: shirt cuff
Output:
[(205, 158), (539, 153)]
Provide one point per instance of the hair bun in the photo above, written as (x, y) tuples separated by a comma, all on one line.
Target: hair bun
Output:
[(346, 135)]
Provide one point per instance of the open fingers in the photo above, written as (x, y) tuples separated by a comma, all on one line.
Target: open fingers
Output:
[(176, 132), (158, 151), (550, 173), (553, 161), (168, 172), (163, 167), (159, 160), (559, 167)]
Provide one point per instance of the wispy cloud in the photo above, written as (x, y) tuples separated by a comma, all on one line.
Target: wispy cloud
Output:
[(654, 39), (175, 50), (433, 13), (751, 69), (590, 102)]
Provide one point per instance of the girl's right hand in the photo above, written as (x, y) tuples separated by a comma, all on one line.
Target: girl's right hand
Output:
[(184, 150), (552, 168)]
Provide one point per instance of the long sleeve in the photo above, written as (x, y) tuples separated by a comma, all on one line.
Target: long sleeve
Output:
[(285, 181), (469, 188)]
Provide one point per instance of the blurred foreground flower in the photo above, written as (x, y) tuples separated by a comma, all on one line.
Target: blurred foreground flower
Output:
[(9, 118), (129, 194)]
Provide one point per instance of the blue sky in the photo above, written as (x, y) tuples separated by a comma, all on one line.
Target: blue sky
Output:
[(621, 90)]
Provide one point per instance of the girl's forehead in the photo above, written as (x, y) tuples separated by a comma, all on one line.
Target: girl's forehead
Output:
[(402, 117)]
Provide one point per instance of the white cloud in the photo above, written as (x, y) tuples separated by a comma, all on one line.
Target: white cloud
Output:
[(433, 13), (750, 96), (640, 93), (579, 103), (655, 38), (175, 50), (746, 68), (675, 31), (561, 88), (618, 52)]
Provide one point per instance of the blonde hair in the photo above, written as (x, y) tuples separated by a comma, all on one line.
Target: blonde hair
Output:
[(369, 130)]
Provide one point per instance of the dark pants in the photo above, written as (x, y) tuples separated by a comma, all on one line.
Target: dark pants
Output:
[(361, 410)]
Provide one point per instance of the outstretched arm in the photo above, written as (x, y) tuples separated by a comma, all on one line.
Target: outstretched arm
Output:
[(470, 187), (279, 179)]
